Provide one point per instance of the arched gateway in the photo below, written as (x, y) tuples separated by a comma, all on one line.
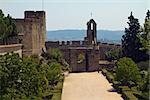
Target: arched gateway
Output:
[(81, 55)]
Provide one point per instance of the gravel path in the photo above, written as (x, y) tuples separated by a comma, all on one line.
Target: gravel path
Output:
[(88, 86)]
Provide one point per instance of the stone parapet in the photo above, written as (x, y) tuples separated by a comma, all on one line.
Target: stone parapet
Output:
[(16, 48)]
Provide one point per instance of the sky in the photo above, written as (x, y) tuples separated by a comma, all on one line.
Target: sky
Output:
[(74, 14)]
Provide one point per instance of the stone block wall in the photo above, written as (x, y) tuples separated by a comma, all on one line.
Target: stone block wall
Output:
[(93, 54), (32, 29)]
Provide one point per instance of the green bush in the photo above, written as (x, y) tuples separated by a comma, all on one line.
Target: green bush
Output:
[(143, 65), (116, 84), (127, 71), (113, 54), (56, 96), (59, 86), (80, 58), (121, 89), (104, 71), (128, 95), (26, 78), (142, 96), (109, 77)]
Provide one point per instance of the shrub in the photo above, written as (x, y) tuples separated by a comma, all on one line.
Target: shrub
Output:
[(123, 88), (143, 65), (56, 96), (59, 86), (127, 71), (128, 95), (80, 58), (116, 84), (113, 54), (104, 71), (109, 77)]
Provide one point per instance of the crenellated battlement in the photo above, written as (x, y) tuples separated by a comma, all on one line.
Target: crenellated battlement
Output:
[(34, 14), (58, 44)]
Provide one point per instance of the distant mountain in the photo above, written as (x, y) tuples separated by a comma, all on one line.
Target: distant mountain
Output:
[(102, 35)]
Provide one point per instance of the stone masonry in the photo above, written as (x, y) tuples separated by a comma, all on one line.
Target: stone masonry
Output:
[(32, 30), (92, 50)]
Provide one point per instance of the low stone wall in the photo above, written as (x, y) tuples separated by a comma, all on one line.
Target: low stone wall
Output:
[(16, 48)]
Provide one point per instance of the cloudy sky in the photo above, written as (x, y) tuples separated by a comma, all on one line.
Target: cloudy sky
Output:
[(74, 14)]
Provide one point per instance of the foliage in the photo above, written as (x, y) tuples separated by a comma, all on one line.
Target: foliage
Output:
[(131, 42), (54, 53), (80, 58), (143, 65), (54, 73), (113, 54), (27, 78), (109, 77), (104, 71), (127, 71), (56, 96), (144, 87), (145, 36), (7, 27), (128, 95)]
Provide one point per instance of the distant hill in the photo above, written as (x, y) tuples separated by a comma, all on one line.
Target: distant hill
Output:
[(102, 35)]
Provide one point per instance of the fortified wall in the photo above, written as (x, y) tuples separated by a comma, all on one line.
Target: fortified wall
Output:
[(32, 30), (93, 54), (92, 50)]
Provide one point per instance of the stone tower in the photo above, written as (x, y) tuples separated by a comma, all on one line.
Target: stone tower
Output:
[(91, 32), (32, 30)]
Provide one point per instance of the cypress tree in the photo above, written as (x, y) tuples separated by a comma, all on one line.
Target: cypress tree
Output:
[(131, 41)]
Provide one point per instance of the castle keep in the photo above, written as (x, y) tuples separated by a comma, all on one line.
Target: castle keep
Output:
[(32, 30)]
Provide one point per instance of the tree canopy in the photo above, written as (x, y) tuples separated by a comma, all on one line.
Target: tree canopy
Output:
[(26, 78), (131, 40), (127, 71), (145, 36), (7, 27)]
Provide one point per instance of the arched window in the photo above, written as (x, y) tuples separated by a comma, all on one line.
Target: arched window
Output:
[(92, 26)]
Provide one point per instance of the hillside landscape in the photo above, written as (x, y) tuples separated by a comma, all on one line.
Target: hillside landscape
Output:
[(74, 34)]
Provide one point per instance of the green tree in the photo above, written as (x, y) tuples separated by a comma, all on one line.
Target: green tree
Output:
[(21, 79), (54, 73), (131, 41), (127, 71), (10, 66), (7, 27), (145, 36), (53, 53), (113, 54)]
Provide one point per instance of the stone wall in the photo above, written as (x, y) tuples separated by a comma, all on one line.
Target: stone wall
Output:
[(93, 54), (32, 30), (16, 48)]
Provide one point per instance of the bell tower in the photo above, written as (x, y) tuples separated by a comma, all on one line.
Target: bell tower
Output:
[(91, 32)]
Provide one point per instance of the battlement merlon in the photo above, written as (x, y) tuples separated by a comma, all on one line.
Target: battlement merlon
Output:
[(34, 14)]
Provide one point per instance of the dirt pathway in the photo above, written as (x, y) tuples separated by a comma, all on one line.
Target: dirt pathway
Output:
[(88, 86)]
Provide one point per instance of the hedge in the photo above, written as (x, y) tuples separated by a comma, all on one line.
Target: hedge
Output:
[(128, 95), (109, 77), (104, 71), (123, 88), (116, 84), (59, 86), (56, 96)]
